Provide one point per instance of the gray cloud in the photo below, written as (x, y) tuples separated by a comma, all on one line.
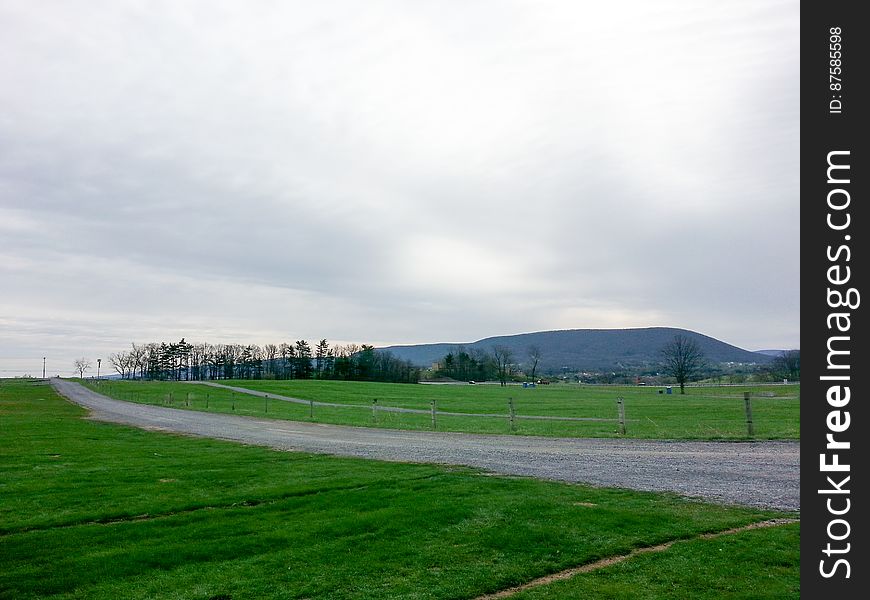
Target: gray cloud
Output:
[(395, 173)]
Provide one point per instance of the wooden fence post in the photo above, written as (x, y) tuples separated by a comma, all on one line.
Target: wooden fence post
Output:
[(375, 409), (512, 414), (620, 408), (311, 408), (434, 425), (267, 402), (748, 405)]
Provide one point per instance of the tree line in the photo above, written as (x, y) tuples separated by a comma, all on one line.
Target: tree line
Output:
[(685, 361), (681, 359), (184, 361), (477, 365)]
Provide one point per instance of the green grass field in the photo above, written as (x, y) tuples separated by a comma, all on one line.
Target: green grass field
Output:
[(702, 413), (93, 510)]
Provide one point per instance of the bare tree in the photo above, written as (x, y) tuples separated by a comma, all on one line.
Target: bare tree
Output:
[(270, 354), (502, 355), (198, 354), (82, 364), (138, 356), (122, 362), (683, 360), (534, 352), (787, 365)]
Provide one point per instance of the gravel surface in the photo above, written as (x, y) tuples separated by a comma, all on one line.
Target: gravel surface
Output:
[(763, 474)]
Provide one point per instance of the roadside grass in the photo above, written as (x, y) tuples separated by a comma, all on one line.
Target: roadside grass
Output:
[(94, 510), (703, 413)]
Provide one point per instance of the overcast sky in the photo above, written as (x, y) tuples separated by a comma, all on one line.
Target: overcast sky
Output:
[(394, 172)]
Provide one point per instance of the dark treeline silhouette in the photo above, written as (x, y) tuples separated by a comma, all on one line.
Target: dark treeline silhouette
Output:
[(467, 365), (183, 361), (786, 365)]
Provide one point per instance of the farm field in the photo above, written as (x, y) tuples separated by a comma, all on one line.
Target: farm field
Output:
[(703, 413), (93, 510)]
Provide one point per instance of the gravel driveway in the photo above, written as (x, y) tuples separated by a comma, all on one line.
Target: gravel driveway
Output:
[(763, 474)]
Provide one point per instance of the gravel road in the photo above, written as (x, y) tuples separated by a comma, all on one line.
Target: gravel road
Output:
[(762, 474)]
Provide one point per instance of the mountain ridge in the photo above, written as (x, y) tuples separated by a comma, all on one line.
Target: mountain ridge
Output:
[(585, 349)]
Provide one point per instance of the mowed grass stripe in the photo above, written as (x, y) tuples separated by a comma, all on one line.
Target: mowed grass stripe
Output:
[(394, 531), (762, 564), (702, 414), (613, 560), (51, 452), (248, 503)]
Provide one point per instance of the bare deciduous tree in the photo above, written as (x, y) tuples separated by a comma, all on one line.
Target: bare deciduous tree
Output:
[(502, 355), (122, 362), (82, 364), (139, 355), (683, 360), (534, 352), (788, 365), (270, 353)]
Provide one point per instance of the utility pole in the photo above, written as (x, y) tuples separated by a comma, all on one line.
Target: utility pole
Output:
[(99, 360)]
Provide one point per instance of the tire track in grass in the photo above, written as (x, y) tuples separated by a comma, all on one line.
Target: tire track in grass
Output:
[(246, 503), (612, 560)]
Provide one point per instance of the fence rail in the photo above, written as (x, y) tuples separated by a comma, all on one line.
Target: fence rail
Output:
[(690, 420), (377, 407)]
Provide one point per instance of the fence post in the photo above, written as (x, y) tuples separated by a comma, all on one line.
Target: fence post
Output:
[(234, 401), (375, 409), (170, 397), (311, 408), (206, 401), (620, 408), (512, 413), (267, 402), (187, 399), (434, 425), (748, 404)]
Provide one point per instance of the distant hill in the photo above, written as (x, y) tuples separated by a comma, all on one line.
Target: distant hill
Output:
[(773, 353), (587, 349)]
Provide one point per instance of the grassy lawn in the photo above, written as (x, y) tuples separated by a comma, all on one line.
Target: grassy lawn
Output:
[(701, 569), (702, 413), (93, 510)]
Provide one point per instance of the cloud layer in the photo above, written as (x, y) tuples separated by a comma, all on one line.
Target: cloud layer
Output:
[(394, 172)]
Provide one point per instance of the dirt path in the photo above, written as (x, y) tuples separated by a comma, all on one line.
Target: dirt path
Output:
[(612, 560), (763, 474)]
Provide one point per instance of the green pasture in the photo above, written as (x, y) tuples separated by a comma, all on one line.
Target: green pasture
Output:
[(695, 570), (705, 413), (94, 510)]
